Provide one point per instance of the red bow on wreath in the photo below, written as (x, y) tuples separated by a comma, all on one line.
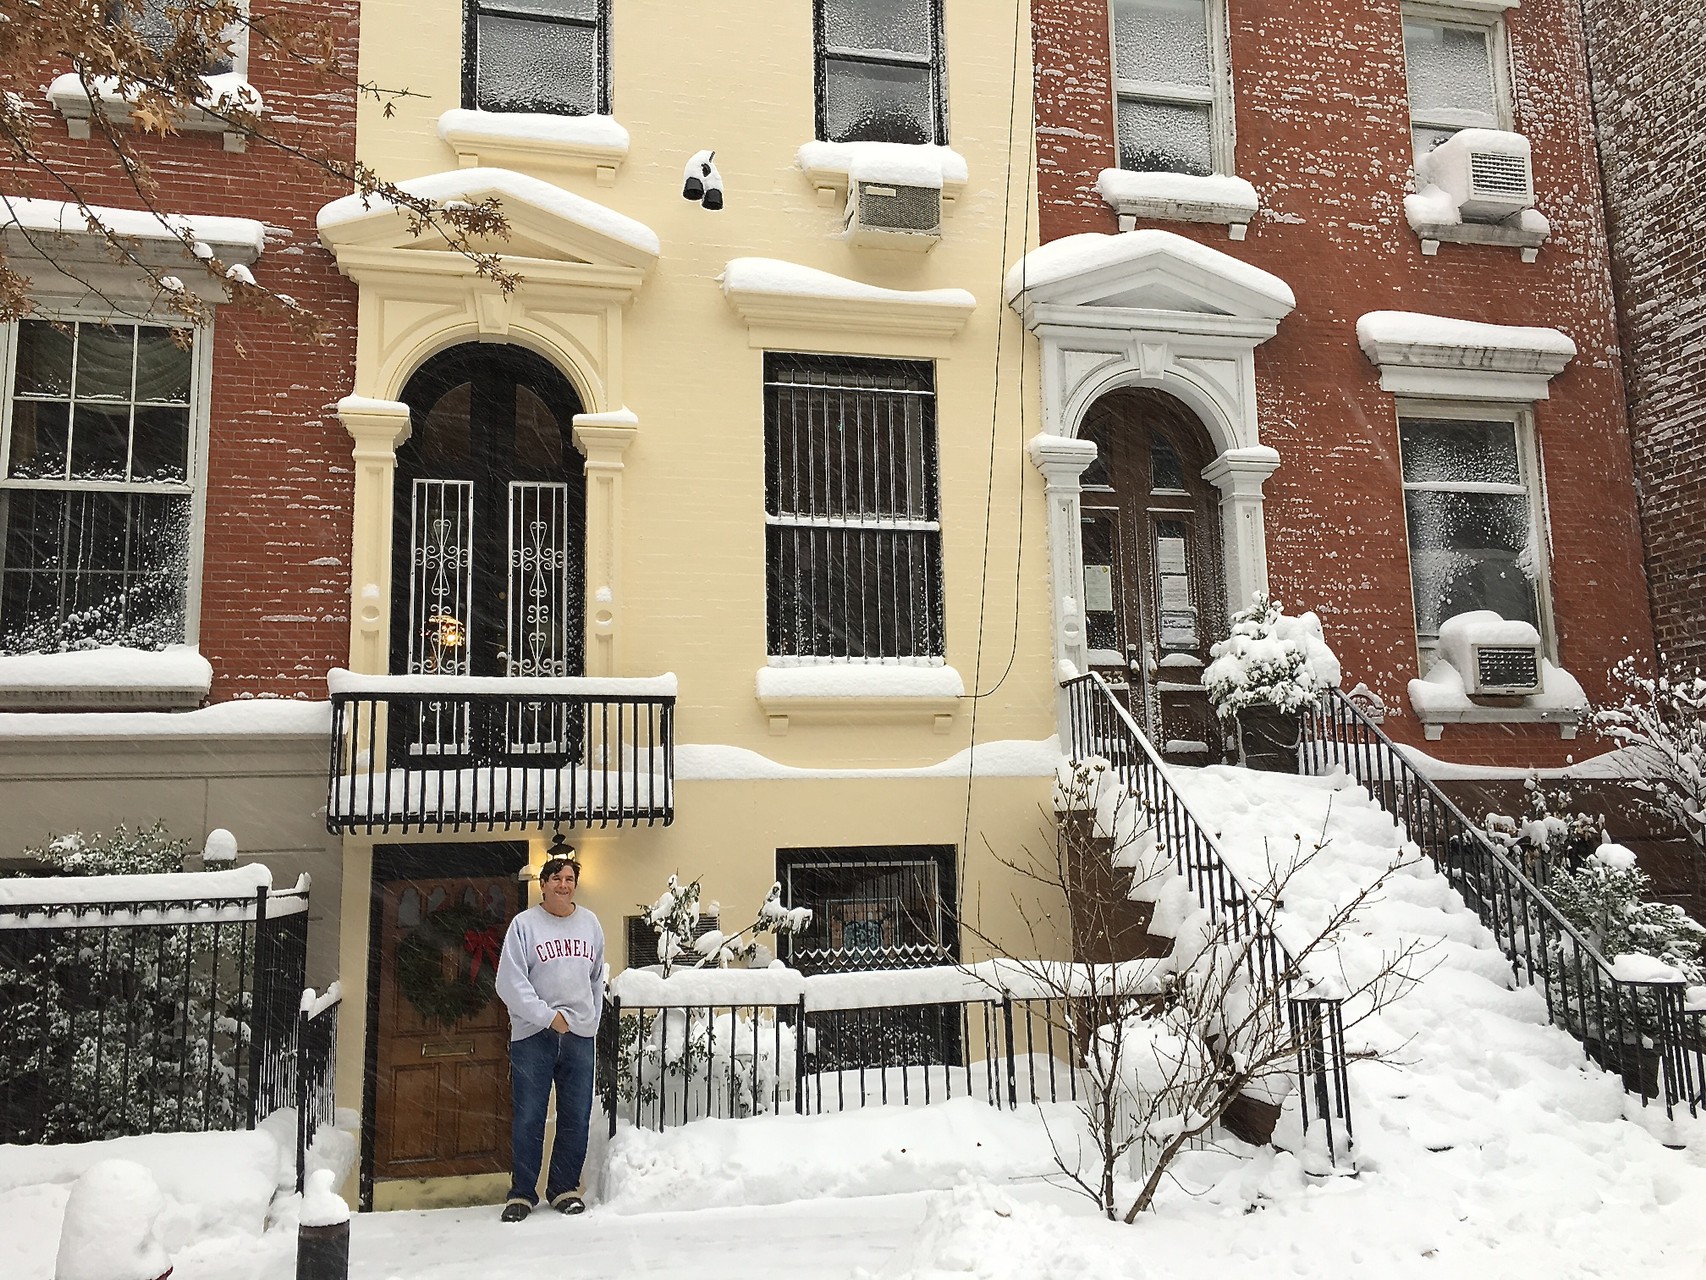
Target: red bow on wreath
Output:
[(481, 945)]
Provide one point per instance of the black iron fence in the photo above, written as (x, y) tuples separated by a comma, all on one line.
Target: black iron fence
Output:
[(411, 753), (1101, 727), (141, 1004), (313, 1071), (1640, 1029), (662, 1066)]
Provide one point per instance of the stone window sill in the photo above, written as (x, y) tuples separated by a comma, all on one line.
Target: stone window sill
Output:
[(68, 97), (842, 693), (525, 141), (1179, 197)]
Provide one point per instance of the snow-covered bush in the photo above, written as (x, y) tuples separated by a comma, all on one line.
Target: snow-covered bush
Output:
[(1549, 836), (1662, 722), (106, 1032), (705, 1062), (1270, 660), (1608, 899), (674, 917)]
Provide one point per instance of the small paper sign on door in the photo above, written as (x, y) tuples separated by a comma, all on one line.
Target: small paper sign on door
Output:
[(1098, 588)]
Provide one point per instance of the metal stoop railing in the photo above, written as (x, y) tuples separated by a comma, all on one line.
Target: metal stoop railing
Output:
[(1642, 1030), (1100, 726)]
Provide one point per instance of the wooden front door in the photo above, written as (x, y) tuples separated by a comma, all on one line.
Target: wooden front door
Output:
[(441, 1095), (1153, 596)]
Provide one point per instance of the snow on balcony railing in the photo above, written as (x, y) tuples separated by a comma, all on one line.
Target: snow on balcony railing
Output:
[(453, 753)]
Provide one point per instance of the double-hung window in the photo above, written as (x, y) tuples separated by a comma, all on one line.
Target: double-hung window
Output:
[(854, 539), (879, 71), (1472, 503), (550, 56), (1172, 109), (1453, 64), (159, 32), (97, 472)]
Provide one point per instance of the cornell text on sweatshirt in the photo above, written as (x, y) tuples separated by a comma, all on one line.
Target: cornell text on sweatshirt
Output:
[(552, 964)]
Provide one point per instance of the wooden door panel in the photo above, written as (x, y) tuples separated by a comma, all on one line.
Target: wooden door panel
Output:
[(442, 1100)]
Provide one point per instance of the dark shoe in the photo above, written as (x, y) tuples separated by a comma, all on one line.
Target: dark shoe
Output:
[(569, 1202), (516, 1210)]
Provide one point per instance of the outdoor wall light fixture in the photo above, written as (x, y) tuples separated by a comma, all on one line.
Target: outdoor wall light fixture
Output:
[(701, 181)]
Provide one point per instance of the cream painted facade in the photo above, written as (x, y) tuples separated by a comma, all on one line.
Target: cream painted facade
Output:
[(669, 367)]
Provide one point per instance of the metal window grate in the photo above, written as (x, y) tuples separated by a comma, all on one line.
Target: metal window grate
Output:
[(854, 544)]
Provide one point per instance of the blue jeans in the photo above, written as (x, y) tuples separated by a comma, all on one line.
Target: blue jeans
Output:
[(535, 1064)]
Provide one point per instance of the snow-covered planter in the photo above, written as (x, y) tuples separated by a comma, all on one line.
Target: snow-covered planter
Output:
[(1264, 674)]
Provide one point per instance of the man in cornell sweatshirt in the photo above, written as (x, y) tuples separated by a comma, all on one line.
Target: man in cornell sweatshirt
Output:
[(551, 977)]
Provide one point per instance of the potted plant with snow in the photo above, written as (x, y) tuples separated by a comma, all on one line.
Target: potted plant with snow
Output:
[(1263, 675)]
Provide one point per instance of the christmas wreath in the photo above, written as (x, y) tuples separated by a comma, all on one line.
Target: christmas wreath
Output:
[(447, 965)]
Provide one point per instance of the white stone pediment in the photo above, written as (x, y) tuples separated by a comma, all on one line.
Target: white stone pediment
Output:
[(1146, 270), (546, 223)]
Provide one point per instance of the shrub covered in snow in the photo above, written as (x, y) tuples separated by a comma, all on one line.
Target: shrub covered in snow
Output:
[(1662, 722), (1608, 898), (1549, 836), (674, 917), (134, 1033), (1270, 660)]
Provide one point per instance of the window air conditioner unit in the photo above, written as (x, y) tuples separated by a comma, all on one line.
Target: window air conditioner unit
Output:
[(886, 215), (1486, 172), (1505, 670)]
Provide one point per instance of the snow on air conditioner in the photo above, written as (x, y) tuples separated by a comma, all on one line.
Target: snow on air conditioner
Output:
[(894, 216), (1495, 656), (1487, 173)]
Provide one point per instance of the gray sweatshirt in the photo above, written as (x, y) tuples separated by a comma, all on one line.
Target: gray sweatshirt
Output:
[(550, 965)]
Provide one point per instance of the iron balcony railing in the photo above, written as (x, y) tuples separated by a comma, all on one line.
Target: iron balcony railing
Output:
[(1100, 726), (1642, 1030), (455, 753)]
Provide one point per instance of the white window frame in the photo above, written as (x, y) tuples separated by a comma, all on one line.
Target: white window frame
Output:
[(195, 471), (1490, 20), (1521, 417), (1217, 95)]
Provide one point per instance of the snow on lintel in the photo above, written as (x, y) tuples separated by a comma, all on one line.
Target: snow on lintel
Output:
[(1429, 355), (1092, 255), (510, 188), (1179, 197), (837, 164), (233, 240), (843, 680), (595, 142), (776, 297)]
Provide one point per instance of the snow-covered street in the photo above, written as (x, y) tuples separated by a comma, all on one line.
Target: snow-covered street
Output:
[(1486, 1148)]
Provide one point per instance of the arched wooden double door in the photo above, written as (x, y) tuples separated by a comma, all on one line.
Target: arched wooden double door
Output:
[(489, 537), (1154, 593)]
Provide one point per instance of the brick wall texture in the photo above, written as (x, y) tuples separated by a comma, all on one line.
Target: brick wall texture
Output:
[(274, 588), (1649, 61), (1322, 130)]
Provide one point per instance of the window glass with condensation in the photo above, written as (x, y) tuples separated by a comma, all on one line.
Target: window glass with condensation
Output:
[(879, 71), (547, 56), (1472, 509), (1452, 64), (1172, 111), (96, 486)]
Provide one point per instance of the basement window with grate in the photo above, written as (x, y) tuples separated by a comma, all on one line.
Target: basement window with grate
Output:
[(853, 539)]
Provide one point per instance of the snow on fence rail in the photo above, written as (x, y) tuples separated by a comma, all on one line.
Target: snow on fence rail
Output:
[(1651, 1033), (140, 1004)]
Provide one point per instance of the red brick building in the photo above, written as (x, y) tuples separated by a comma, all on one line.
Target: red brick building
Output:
[(186, 497), (1423, 469), (1653, 157)]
